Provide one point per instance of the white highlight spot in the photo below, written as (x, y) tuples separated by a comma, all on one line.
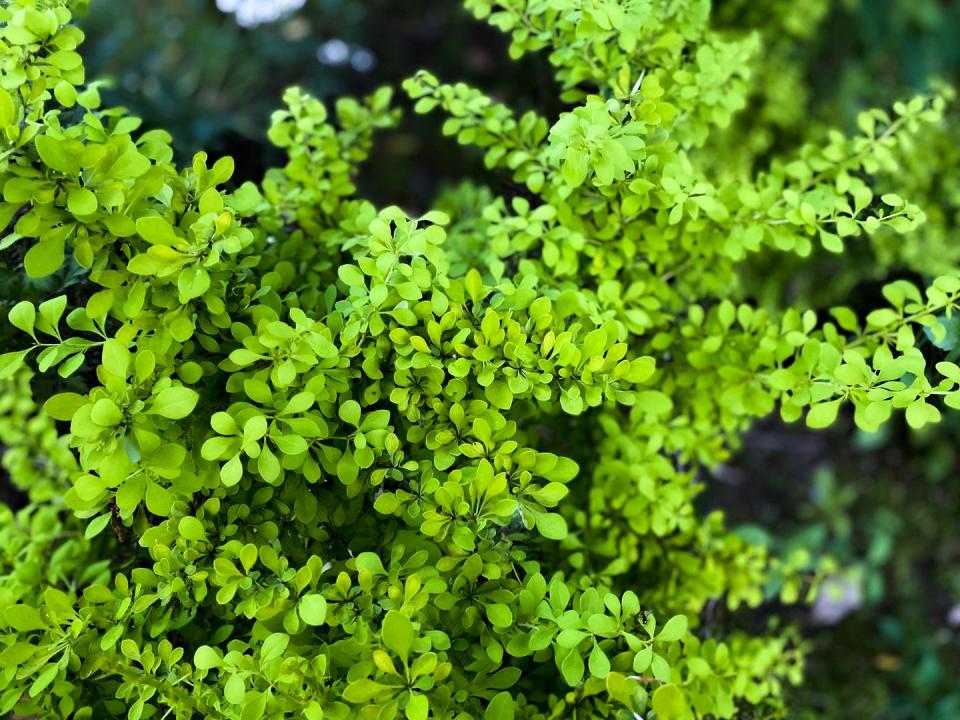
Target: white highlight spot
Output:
[(250, 13)]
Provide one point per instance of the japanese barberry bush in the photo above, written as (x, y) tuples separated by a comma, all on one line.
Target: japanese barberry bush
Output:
[(288, 454)]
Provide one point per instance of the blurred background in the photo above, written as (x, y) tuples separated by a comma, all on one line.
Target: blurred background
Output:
[(885, 632), (212, 71)]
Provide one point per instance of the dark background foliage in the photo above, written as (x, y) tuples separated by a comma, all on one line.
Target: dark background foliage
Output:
[(886, 640), (189, 68)]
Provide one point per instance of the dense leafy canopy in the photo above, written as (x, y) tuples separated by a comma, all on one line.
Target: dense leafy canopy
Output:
[(309, 457)]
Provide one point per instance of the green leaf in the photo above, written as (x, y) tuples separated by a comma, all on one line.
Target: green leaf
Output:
[(158, 499), (674, 629), (232, 471), (397, 633), (110, 637), (660, 668), (174, 403), (254, 705), (920, 413), (386, 504), (598, 663), (246, 199), (642, 660), (44, 258), (350, 412), (44, 679), (274, 646), (669, 704), (105, 413), (96, 526), (831, 242), (234, 689), (501, 707), (156, 231), (572, 667), (620, 688), (437, 217), (498, 393), (473, 282), (131, 492), (847, 227), (362, 691), (499, 615), (206, 658), (551, 525), (81, 201), (7, 110), (55, 156), (191, 528), (949, 370), (570, 638), (268, 466), (63, 405), (571, 401), (193, 282), (347, 468), (313, 609), (946, 333), (351, 276), (50, 313), (11, 362), (23, 316), (823, 415), (24, 618), (575, 167), (418, 707), (69, 366), (604, 625), (116, 357)]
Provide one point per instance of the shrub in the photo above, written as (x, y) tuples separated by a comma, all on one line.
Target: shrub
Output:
[(307, 457)]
